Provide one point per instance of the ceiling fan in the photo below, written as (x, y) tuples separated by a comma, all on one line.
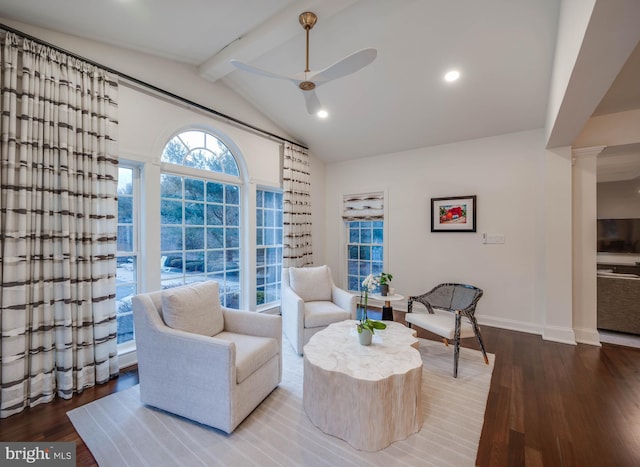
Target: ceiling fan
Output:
[(309, 81)]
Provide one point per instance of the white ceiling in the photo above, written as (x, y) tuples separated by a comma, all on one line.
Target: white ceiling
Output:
[(504, 50)]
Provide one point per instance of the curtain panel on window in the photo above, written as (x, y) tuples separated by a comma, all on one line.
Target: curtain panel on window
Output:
[(296, 199), (58, 220), (363, 207)]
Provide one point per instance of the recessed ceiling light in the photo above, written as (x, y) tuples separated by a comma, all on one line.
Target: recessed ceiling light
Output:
[(322, 113), (452, 75)]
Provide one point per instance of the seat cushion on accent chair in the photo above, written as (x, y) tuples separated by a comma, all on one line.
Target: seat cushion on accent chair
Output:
[(251, 352), (311, 284), (441, 323), (322, 313), (193, 308)]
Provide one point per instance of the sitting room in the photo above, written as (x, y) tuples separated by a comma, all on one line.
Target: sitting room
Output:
[(330, 232)]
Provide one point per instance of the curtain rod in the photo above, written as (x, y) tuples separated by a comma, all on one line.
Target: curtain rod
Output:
[(154, 88)]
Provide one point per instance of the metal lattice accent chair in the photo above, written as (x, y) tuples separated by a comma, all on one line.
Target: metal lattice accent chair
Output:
[(450, 314)]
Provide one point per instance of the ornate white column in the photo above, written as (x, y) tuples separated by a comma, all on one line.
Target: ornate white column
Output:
[(584, 217)]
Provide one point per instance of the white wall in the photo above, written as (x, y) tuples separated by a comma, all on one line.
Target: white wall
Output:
[(507, 173), (619, 200)]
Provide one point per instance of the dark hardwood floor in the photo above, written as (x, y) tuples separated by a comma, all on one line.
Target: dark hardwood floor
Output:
[(549, 404)]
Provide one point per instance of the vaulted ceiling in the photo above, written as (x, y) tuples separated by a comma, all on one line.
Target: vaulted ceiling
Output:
[(504, 51)]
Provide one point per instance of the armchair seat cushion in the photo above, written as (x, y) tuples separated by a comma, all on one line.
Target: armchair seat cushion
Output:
[(323, 313), (441, 323), (251, 352)]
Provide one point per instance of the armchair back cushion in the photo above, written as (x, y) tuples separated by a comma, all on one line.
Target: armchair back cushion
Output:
[(311, 284), (193, 308)]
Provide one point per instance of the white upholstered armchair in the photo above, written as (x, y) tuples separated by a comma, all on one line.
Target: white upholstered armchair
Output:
[(202, 361), (310, 301)]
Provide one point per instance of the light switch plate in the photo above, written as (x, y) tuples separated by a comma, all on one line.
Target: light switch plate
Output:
[(492, 238)]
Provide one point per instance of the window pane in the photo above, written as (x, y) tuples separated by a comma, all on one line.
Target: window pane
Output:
[(170, 186), (215, 214), (353, 252), (125, 209), (194, 238), (175, 151), (194, 214), (125, 238), (215, 237), (233, 215), (170, 238), (215, 261), (194, 262), (170, 212), (232, 238), (365, 236), (233, 194), (215, 192), (194, 189), (354, 235)]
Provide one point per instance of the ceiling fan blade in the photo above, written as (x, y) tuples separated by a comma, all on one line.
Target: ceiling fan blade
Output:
[(312, 101), (346, 66), (260, 72)]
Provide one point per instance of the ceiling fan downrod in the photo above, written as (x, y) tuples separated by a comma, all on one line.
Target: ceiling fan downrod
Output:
[(307, 20)]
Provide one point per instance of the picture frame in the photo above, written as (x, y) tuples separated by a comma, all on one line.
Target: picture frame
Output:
[(453, 214)]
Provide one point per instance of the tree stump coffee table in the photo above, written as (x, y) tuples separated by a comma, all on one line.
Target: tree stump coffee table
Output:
[(369, 396)]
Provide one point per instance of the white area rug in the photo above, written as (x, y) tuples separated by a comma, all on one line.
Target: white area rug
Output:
[(120, 431)]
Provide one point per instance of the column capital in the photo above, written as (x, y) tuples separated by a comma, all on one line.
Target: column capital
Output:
[(586, 152)]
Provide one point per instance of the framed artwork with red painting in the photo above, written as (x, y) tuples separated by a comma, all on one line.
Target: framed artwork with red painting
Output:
[(453, 214)]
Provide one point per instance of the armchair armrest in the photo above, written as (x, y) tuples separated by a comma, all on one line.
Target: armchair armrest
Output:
[(345, 300), (292, 304), (252, 323), (292, 309)]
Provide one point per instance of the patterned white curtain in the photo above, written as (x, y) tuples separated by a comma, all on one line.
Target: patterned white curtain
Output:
[(296, 181), (58, 221)]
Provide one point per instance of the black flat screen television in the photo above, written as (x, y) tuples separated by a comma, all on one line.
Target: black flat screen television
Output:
[(619, 236)]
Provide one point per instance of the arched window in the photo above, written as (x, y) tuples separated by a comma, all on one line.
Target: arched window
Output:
[(200, 214), (200, 150)]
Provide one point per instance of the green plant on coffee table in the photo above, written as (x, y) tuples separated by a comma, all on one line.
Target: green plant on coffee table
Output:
[(385, 278), (369, 284)]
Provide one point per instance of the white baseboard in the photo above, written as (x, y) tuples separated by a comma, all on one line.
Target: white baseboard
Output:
[(588, 336), (630, 340), (509, 324), (127, 359), (558, 334), (550, 333)]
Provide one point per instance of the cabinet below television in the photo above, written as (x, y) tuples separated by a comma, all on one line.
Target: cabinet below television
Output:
[(619, 298)]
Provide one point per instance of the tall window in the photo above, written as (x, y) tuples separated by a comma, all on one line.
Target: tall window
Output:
[(127, 251), (364, 251), (200, 215), (364, 217), (268, 246)]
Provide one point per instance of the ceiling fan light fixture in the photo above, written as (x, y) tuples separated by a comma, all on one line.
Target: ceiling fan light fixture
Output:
[(346, 66), (307, 86), (451, 76)]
